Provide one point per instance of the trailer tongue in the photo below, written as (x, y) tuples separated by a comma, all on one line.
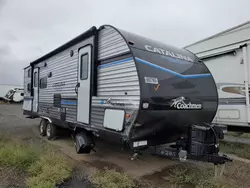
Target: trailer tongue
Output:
[(201, 144)]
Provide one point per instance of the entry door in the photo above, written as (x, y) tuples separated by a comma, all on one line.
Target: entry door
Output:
[(35, 87), (83, 86)]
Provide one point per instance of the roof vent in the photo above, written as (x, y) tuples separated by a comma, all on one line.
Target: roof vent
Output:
[(131, 42)]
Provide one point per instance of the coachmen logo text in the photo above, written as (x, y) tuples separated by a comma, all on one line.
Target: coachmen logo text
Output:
[(179, 103)]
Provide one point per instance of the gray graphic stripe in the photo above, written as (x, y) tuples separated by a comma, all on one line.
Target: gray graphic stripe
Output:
[(232, 101)]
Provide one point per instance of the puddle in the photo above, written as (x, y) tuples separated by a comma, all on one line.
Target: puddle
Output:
[(75, 183)]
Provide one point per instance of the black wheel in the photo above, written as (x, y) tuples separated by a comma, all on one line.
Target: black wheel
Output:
[(42, 127), (51, 131), (77, 147), (83, 143)]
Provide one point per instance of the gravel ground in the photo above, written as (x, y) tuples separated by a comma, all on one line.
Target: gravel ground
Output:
[(229, 138), (16, 125), (13, 122)]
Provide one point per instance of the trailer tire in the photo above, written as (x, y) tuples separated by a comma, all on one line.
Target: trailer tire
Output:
[(83, 143), (42, 127), (51, 130)]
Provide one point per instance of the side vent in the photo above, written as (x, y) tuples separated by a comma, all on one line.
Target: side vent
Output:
[(57, 100)]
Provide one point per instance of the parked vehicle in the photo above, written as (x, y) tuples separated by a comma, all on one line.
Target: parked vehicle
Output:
[(14, 95), (4, 88), (126, 89), (227, 55)]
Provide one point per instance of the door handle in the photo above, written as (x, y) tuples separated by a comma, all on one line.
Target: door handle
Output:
[(76, 87)]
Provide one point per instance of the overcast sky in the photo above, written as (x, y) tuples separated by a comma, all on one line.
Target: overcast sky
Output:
[(31, 28)]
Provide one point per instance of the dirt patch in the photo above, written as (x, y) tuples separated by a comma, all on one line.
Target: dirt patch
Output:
[(114, 157), (76, 183), (236, 175), (10, 177)]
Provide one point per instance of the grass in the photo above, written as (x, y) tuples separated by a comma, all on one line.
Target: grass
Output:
[(112, 179), (236, 175), (201, 175), (15, 155), (45, 169), (49, 170), (238, 134), (187, 175), (239, 149)]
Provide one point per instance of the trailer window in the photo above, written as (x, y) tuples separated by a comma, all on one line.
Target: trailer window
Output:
[(43, 83), (28, 87), (29, 73), (35, 79), (84, 67)]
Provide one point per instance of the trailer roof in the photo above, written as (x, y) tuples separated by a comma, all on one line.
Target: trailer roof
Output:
[(218, 34), (140, 42), (26, 67), (154, 46), (84, 35)]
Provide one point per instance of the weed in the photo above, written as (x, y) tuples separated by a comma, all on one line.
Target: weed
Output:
[(192, 176), (239, 134), (236, 175), (17, 155), (4, 138), (49, 170), (45, 168), (112, 179), (239, 149)]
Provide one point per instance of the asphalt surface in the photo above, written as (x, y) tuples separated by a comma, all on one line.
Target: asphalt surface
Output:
[(12, 120)]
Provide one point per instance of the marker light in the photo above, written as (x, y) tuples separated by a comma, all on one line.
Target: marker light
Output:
[(128, 115)]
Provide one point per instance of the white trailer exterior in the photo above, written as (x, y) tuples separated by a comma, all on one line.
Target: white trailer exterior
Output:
[(128, 90), (13, 93), (4, 88), (227, 55)]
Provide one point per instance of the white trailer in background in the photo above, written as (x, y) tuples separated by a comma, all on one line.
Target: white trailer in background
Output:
[(14, 95), (11, 93), (4, 88), (227, 55)]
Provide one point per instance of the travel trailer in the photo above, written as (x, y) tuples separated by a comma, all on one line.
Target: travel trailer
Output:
[(14, 95), (11, 94), (4, 88), (227, 56), (125, 89)]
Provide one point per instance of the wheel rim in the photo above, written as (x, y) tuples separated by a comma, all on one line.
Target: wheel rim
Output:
[(76, 146), (48, 130), (41, 128)]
